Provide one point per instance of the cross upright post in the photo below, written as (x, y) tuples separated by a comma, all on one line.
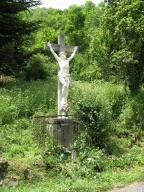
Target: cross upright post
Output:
[(61, 43)]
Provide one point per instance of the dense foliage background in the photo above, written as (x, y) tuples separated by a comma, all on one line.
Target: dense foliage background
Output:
[(106, 94), (110, 39)]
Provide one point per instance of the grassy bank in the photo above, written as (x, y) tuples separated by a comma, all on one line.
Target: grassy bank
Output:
[(99, 183), (110, 143)]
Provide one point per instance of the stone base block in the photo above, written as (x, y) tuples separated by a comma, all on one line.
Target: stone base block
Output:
[(62, 130)]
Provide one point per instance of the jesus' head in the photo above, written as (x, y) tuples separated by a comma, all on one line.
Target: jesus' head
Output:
[(62, 56)]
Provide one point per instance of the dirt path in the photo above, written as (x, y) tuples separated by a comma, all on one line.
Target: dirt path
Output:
[(135, 187)]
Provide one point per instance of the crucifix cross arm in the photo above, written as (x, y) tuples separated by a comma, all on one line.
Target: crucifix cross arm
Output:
[(61, 47), (53, 52), (73, 54)]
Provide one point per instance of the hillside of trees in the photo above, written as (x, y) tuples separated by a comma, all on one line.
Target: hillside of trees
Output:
[(106, 95), (110, 39)]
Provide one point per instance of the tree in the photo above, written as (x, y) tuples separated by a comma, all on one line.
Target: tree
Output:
[(74, 26), (124, 23), (12, 30)]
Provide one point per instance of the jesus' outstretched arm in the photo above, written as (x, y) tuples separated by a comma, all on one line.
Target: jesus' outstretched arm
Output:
[(54, 54), (73, 54)]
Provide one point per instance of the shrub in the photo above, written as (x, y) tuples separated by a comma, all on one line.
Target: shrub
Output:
[(37, 68), (98, 106), (94, 159), (132, 116)]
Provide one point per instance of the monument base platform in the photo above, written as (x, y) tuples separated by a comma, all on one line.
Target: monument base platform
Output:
[(59, 129)]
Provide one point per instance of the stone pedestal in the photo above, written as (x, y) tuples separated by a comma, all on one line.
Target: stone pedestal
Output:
[(61, 130)]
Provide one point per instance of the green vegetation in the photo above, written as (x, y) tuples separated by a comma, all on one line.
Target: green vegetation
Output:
[(110, 146), (95, 184), (12, 33), (110, 39), (106, 95)]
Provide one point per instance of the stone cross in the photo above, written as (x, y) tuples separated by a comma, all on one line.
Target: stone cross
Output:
[(61, 48)]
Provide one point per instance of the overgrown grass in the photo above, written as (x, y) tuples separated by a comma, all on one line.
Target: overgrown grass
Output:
[(110, 119), (24, 99), (99, 183), (19, 102)]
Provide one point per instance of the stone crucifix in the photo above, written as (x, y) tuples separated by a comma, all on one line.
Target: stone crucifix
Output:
[(63, 73)]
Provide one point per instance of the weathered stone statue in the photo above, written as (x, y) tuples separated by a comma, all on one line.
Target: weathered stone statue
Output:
[(63, 76)]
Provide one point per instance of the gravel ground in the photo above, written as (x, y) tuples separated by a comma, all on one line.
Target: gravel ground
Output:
[(136, 187)]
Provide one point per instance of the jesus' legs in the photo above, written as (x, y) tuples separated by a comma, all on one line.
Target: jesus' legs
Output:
[(64, 81)]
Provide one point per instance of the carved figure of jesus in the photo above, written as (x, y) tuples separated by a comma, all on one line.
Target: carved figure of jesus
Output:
[(64, 76)]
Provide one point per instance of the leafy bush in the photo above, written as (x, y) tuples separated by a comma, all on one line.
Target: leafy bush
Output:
[(98, 106), (94, 159), (133, 112), (51, 157), (131, 118), (37, 68)]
